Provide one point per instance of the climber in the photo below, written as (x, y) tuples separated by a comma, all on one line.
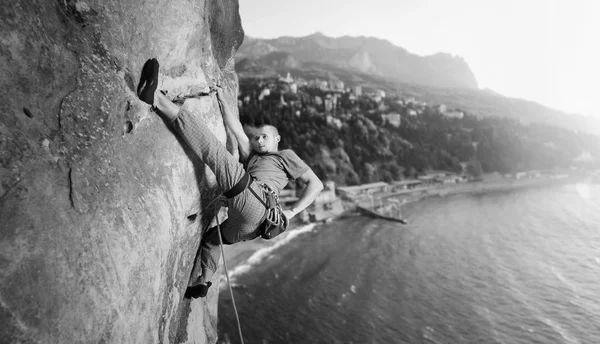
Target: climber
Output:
[(267, 171)]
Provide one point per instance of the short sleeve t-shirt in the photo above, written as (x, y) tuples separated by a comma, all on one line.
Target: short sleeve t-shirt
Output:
[(276, 169)]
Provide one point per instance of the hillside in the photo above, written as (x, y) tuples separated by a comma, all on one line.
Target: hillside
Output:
[(369, 55), (366, 62), (352, 140)]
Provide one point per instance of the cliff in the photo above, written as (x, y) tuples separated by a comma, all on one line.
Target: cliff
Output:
[(101, 207)]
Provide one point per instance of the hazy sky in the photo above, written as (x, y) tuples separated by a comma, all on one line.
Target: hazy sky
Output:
[(542, 50)]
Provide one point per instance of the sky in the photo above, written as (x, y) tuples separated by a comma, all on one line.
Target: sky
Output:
[(547, 51)]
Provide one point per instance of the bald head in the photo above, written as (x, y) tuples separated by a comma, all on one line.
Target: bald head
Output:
[(265, 139), (270, 128)]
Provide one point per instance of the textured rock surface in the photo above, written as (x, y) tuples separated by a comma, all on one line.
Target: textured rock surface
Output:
[(97, 196)]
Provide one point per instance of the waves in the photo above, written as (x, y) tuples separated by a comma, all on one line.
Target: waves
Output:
[(518, 267), (265, 253)]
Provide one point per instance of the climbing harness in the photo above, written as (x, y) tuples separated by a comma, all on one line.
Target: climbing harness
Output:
[(239, 187), (275, 221)]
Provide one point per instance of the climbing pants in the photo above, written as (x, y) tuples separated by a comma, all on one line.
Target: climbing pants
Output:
[(245, 211)]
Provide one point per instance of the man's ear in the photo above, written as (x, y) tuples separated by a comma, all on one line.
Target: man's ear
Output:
[(278, 138)]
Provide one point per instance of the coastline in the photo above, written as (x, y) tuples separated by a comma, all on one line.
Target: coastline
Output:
[(497, 184), (254, 251), (250, 252), (487, 186)]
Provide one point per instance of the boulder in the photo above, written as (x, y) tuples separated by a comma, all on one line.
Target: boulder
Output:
[(102, 207)]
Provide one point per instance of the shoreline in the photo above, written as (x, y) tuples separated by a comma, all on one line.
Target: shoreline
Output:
[(473, 188), (487, 186), (240, 254)]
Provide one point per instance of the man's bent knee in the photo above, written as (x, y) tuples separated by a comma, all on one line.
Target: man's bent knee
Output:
[(212, 237)]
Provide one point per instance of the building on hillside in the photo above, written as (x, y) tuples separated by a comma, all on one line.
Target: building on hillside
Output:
[(337, 85), (331, 102), (406, 184), (315, 83), (392, 118), (327, 205), (328, 103), (287, 79), (429, 179), (357, 91), (264, 93), (441, 108), (318, 100), (454, 114), (294, 88), (327, 195), (452, 179), (301, 82), (334, 122), (520, 175), (411, 112), (352, 192)]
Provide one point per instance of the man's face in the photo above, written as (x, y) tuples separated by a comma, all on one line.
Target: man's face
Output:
[(265, 139)]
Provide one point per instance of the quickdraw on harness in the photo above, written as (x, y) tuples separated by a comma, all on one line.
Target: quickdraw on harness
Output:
[(275, 221)]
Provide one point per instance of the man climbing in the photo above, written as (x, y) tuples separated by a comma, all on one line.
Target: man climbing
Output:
[(268, 170)]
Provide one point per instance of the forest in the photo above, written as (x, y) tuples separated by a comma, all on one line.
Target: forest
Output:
[(351, 142)]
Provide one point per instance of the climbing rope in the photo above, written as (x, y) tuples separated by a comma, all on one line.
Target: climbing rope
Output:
[(237, 317)]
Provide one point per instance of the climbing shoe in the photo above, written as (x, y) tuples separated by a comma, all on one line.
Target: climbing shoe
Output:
[(148, 81), (197, 291)]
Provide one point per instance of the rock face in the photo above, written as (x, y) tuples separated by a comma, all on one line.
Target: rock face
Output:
[(101, 206)]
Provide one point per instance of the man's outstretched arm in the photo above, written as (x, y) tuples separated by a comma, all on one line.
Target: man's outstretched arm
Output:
[(310, 192), (233, 122)]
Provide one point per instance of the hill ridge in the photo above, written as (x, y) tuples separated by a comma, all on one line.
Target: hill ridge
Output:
[(387, 59)]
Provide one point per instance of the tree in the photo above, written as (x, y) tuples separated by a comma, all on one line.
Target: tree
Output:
[(474, 169)]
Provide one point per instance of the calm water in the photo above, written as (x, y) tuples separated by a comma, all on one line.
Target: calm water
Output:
[(512, 267)]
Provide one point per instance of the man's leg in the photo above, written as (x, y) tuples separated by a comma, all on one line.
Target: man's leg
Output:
[(228, 172), (207, 261), (202, 141), (246, 213), (226, 168)]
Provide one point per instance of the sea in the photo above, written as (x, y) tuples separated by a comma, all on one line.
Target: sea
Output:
[(519, 266)]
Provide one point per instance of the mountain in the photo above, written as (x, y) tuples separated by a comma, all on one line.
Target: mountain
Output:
[(367, 55), (378, 64)]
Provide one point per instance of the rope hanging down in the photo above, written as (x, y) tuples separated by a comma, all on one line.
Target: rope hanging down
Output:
[(237, 318)]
